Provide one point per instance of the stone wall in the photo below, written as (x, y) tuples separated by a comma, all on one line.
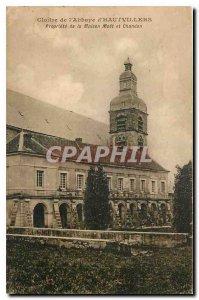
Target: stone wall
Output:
[(28, 165), (126, 205), (154, 239)]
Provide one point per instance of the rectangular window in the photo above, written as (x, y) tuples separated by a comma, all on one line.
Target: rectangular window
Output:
[(80, 181), (120, 184), (153, 186), (63, 180), (142, 185), (132, 184), (162, 186), (109, 183), (121, 124), (40, 178)]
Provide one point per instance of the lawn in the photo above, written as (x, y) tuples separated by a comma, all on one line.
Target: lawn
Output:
[(35, 268)]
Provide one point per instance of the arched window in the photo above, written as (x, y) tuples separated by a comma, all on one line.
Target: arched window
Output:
[(121, 123), (163, 211), (132, 209), (80, 212), (120, 140), (143, 210), (140, 141), (64, 213), (140, 124), (153, 207), (39, 215), (121, 211)]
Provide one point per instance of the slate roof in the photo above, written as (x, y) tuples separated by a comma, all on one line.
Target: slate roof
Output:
[(28, 131), (31, 114), (130, 101), (38, 143)]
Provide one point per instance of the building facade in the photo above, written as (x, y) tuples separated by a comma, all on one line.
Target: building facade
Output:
[(42, 194)]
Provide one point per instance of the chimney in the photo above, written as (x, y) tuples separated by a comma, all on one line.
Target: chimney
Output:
[(21, 141), (78, 140)]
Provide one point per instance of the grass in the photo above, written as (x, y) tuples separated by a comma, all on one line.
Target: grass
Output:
[(35, 268)]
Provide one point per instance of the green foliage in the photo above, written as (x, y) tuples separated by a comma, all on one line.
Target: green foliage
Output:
[(183, 198), (96, 207), (36, 268)]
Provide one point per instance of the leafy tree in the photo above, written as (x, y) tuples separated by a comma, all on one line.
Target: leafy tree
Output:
[(90, 196), (183, 198), (97, 210), (102, 192)]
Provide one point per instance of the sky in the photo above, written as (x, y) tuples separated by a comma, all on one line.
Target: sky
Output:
[(78, 69)]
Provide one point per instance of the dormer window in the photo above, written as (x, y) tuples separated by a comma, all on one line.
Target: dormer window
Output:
[(140, 124)]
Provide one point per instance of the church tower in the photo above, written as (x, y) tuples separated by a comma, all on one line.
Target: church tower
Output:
[(128, 113)]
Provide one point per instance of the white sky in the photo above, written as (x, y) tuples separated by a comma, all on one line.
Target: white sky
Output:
[(79, 69)]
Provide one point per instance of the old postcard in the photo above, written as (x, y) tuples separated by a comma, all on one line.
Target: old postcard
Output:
[(99, 150)]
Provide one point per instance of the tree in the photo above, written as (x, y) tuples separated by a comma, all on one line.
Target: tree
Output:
[(183, 198), (90, 196), (102, 192), (97, 210)]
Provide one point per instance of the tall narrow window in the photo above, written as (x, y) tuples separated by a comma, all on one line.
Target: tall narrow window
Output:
[(109, 182), (121, 123), (142, 185), (80, 181), (140, 124), (40, 178), (79, 212), (162, 186), (132, 184), (120, 184), (153, 186), (121, 211), (63, 180), (132, 209)]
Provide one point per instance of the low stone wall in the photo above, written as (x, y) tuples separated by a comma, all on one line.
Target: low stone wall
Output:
[(156, 239)]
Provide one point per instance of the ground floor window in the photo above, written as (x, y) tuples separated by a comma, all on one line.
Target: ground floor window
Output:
[(132, 209), (64, 210), (80, 212), (39, 215), (163, 212), (143, 212), (121, 211)]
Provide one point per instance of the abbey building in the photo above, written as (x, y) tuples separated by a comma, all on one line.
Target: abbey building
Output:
[(42, 194)]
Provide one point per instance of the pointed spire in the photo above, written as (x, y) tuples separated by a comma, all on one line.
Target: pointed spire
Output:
[(128, 64), (127, 61)]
